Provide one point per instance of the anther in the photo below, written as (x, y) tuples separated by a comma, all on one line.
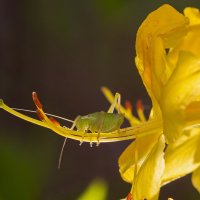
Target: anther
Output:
[(36, 100), (40, 115), (55, 122), (140, 110), (139, 105), (128, 105), (129, 196)]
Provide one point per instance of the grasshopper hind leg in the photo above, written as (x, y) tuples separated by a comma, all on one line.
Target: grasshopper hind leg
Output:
[(116, 103)]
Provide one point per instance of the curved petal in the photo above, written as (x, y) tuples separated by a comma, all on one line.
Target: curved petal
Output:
[(193, 14), (182, 157), (181, 91), (158, 32), (193, 38), (148, 180), (196, 179), (127, 161)]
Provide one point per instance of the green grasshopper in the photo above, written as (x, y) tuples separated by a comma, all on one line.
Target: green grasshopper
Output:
[(98, 122), (101, 121)]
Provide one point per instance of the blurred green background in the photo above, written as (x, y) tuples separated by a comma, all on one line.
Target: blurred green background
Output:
[(66, 50)]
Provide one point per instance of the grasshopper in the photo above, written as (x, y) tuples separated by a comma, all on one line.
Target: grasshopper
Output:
[(101, 121), (98, 122)]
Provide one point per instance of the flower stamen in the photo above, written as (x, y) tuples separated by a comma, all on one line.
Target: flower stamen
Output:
[(140, 110)]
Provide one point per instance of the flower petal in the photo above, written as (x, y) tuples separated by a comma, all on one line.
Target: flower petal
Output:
[(148, 180), (157, 32), (181, 91), (182, 157), (127, 159), (193, 14), (193, 38), (196, 179)]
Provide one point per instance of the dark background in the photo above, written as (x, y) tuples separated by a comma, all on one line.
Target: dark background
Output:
[(66, 50)]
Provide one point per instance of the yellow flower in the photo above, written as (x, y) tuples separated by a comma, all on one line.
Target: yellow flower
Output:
[(168, 60)]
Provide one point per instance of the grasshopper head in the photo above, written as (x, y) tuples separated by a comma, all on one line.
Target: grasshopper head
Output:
[(82, 123)]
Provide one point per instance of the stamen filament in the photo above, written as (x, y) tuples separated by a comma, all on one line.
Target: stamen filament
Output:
[(140, 130), (140, 111)]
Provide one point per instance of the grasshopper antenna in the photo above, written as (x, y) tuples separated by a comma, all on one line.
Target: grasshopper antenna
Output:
[(61, 153), (48, 114), (63, 146)]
